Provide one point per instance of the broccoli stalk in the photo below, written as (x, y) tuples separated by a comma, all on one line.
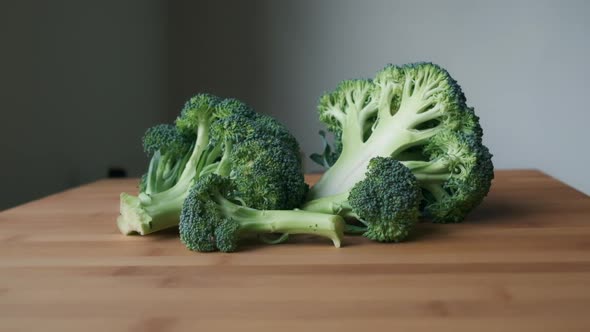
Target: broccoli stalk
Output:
[(356, 102), (415, 114), (138, 217), (250, 220), (335, 204), (212, 219)]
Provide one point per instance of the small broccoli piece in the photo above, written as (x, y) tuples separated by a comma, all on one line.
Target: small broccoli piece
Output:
[(268, 174), (415, 114), (169, 151), (214, 218), (455, 178), (387, 201), (154, 210), (224, 137)]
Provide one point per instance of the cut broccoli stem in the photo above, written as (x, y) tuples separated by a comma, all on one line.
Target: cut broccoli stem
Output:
[(143, 220), (283, 221)]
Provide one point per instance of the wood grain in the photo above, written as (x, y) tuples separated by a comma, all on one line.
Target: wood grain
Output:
[(521, 262)]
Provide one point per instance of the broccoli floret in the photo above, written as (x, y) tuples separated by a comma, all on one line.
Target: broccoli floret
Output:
[(387, 201), (169, 151), (264, 159), (216, 136), (214, 217), (415, 114), (268, 174), (456, 177)]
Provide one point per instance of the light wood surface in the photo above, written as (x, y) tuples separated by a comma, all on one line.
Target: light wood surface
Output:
[(521, 262)]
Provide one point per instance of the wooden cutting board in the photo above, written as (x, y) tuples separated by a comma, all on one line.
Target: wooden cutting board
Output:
[(521, 262)]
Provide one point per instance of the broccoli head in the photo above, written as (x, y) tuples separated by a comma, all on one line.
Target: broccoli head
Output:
[(219, 136), (387, 201), (455, 177), (416, 114)]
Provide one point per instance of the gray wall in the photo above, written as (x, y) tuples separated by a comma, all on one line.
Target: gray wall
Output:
[(79, 83), (522, 64), (81, 80), (216, 46)]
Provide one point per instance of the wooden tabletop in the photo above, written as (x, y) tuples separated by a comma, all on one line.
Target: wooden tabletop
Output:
[(521, 262)]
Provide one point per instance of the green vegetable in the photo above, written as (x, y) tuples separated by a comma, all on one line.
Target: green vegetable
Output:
[(169, 151), (387, 201), (215, 216), (217, 136), (417, 115)]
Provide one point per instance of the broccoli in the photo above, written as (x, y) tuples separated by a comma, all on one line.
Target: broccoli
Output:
[(168, 150), (219, 136), (387, 202), (416, 114), (215, 216)]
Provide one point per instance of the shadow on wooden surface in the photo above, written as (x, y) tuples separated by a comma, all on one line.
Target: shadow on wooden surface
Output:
[(497, 211)]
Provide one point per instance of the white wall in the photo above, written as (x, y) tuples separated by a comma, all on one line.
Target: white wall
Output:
[(80, 81), (524, 65)]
